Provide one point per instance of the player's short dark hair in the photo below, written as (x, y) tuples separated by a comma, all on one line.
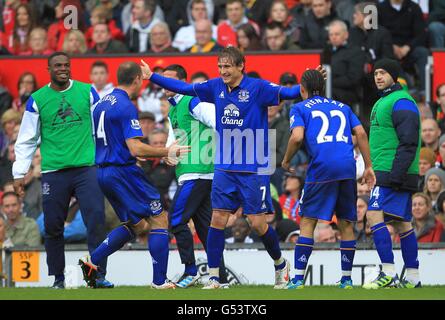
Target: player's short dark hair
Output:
[(180, 71), (10, 193), (234, 55), (128, 72), (99, 63), (197, 2), (56, 54), (313, 82), (199, 74)]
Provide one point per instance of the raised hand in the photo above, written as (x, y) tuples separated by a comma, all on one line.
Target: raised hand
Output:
[(146, 71)]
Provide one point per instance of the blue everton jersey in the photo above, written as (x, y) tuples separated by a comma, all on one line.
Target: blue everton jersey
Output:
[(328, 128), (115, 120), (241, 121)]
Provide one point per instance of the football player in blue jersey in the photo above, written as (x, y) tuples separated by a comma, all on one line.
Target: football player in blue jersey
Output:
[(242, 159), (325, 127), (134, 199)]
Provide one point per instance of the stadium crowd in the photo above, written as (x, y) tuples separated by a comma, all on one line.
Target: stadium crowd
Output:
[(339, 28)]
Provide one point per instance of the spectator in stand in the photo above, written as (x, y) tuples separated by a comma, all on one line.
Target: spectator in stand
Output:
[(430, 134), (156, 170), (347, 63), (57, 31), (9, 120), (426, 226), (235, 18), (279, 12), (434, 183), (288, 231), (5, 101), (314, 34), (18, 42), (240, 231), (247, 38), (359, 226), (7, 19), (438, 108), (280, 124), (301, 11), (404, 20), (288, 79), (3, 240), (99, 77), (114, 6), (362, 189), (6, 163), (102, 14), (440, 160), (196, 10), (324, 233), (204, 41), (161, 39), (104, 43), (26, 85), (436, 23), (276, 39), (427, 159), (138, 36), (290, 199), (74, 42), (198, 77), (38, 43), (258, 11), (21, 230), (376, 43), (439, 208), (127, 15), (150, 99), (147, 123)]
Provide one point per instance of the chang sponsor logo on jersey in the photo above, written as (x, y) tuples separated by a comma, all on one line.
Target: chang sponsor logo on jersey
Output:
[(231, 115)]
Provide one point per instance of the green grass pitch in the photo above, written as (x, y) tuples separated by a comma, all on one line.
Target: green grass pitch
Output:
[(243, 292)]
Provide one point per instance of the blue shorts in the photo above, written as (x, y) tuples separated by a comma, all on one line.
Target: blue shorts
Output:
[(321, 200), (231, 190), (396, 205), (129, 192)]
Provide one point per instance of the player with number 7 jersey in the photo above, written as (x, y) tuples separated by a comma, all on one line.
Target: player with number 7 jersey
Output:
[(325, 126)]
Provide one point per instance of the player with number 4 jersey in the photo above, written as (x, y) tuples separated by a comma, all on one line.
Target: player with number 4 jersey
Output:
[(325, 127), (135, 201)]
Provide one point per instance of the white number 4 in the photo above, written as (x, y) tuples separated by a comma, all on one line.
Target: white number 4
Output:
[(100, 134), (322, 137)]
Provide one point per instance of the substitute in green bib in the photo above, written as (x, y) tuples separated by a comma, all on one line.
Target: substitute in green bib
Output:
[(58, 117), (395, 147), (192, 123)]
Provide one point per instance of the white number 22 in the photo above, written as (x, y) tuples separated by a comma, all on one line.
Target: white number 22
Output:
[(322, 137)]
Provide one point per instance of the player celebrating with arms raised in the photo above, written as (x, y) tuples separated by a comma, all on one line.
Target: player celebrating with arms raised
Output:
[(134, 199), (241, 108), (326, 127)]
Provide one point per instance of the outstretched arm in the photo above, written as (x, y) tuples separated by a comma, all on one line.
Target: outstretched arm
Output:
[(173, 85)]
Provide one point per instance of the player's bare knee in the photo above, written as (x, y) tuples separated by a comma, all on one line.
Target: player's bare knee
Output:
[(307, 227), (219, 219), (140, 227), (160, 221), (402, 226), (374, 217), (346, 229), (258, 223)]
